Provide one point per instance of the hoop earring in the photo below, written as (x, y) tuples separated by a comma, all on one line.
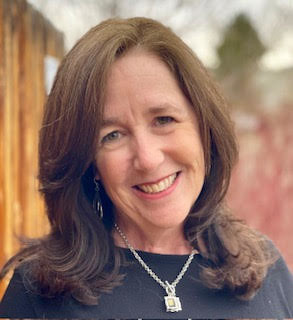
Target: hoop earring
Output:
[(97, 204)]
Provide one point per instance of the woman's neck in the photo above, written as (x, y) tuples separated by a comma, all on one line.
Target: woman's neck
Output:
[(163, 241)]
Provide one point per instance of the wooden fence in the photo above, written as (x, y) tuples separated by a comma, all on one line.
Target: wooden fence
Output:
[(26, 38)]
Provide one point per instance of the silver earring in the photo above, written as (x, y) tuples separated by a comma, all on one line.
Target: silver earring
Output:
[(97, 204)]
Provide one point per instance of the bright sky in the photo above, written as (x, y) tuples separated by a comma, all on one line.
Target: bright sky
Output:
[(198, 22)]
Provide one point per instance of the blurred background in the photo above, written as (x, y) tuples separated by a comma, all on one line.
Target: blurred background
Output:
[(246, 44)]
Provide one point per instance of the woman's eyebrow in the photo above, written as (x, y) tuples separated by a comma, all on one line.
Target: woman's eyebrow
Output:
[(163, 109), (110, 122)]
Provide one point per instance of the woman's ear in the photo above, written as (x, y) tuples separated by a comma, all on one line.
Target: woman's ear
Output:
[(96, 173)]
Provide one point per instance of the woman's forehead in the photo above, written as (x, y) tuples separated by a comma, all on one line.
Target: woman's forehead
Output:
[(140, 78)]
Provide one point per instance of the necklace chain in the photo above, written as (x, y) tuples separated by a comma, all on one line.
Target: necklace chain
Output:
[(165, 285)]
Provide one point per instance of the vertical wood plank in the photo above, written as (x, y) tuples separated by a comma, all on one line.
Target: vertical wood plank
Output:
[(26, 37), (2, 97)]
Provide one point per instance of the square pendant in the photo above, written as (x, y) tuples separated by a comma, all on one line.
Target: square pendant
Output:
[(172, 303)]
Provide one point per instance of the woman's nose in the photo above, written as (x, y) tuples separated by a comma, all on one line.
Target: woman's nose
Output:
[(148, 153)]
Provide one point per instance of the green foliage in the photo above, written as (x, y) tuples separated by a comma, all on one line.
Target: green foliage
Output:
[(241, 47)]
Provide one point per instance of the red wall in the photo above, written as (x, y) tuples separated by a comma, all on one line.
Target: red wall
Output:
[(261, 189)]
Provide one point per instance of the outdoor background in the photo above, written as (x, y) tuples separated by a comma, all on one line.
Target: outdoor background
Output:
[(246, 44)]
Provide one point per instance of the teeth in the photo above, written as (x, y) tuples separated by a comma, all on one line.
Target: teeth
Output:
[(158, 187)]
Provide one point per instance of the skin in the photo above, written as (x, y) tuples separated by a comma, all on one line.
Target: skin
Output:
[(149, 133)]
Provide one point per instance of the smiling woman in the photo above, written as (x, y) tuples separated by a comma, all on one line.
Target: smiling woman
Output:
[(161, 160), (136, 152)]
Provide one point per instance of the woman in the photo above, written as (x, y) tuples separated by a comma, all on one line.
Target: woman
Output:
[(136, 152)]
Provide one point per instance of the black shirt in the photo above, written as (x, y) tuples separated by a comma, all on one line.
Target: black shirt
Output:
[(140, 296)]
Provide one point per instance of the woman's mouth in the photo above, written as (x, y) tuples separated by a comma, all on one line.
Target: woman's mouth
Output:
[(160, 186)]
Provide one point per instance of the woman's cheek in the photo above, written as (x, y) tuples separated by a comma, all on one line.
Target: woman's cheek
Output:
[(112, 167)]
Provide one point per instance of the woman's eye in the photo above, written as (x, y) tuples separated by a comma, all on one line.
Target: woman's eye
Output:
[(112, 136), (164, 120)]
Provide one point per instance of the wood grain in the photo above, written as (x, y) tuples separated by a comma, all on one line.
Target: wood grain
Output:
[(26, 37)]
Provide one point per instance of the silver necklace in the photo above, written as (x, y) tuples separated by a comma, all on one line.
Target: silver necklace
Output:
[(172, 302)]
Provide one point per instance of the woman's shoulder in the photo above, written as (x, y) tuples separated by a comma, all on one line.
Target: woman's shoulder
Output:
[(279, 270), (17, 300), (278, 284), (279, 265), (22, 298)]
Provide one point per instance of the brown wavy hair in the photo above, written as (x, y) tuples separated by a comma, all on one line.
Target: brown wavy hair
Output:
[(78, 256)]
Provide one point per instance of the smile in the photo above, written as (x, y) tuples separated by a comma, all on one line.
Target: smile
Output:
[(159, 186)]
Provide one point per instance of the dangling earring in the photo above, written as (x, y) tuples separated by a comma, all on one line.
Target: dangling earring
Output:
[(97, 204)]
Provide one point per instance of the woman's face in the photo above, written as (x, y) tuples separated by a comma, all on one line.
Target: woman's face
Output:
[(149, 158)]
